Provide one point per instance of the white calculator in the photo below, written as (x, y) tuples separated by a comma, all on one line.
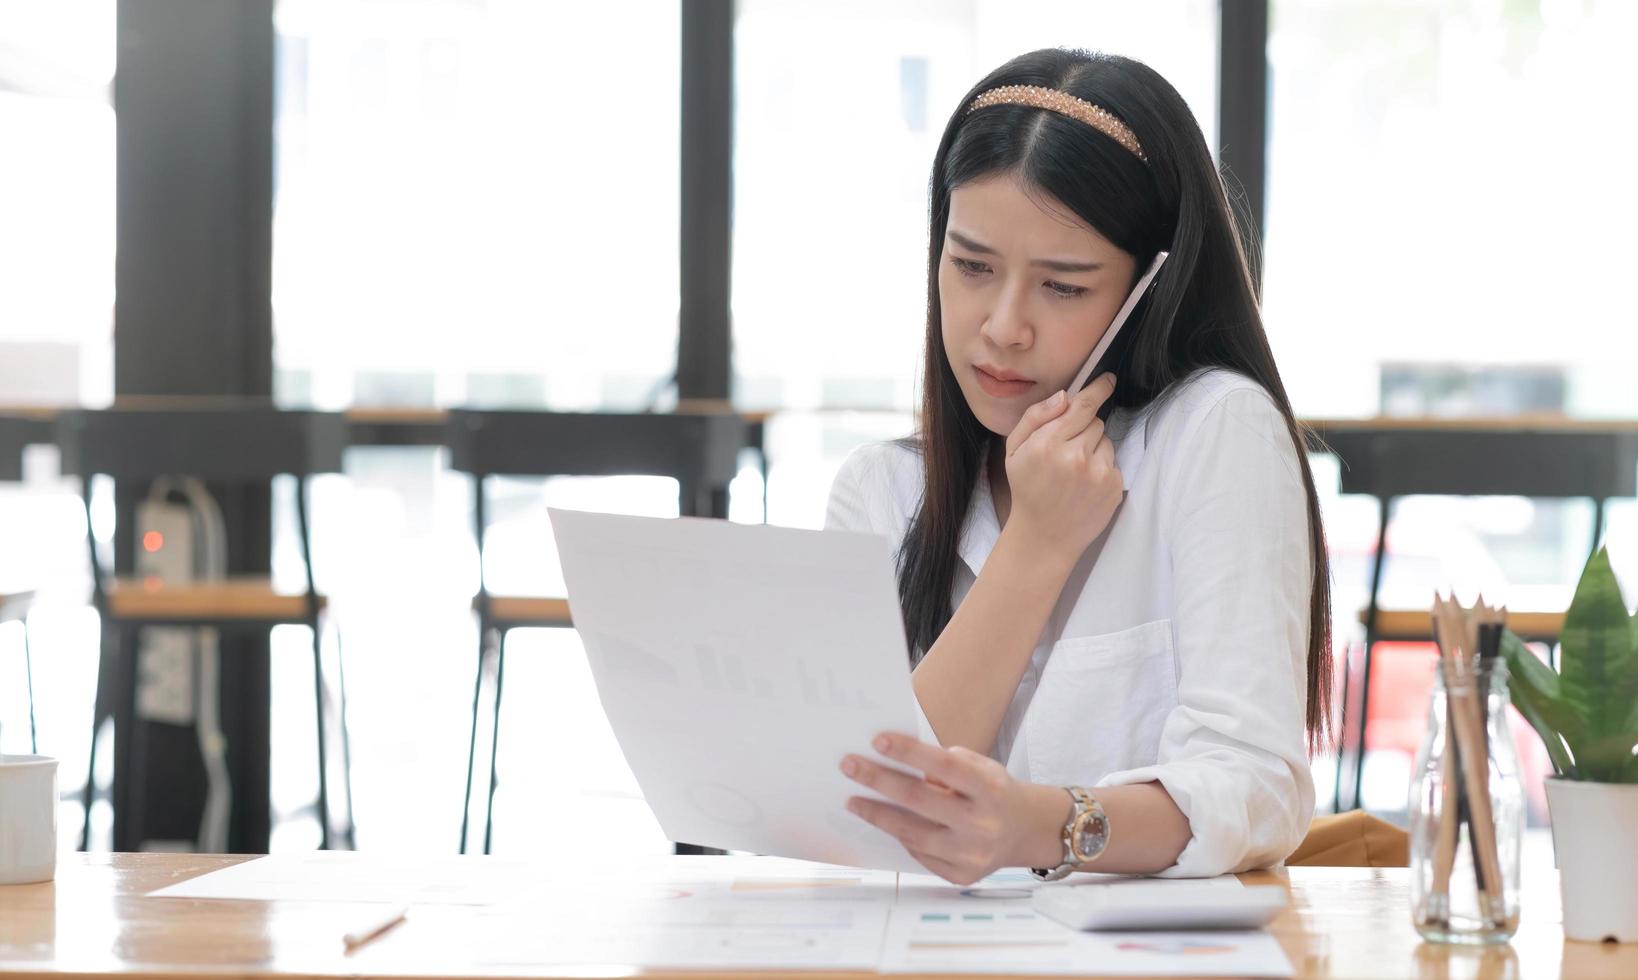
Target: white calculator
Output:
[(1171, 904)]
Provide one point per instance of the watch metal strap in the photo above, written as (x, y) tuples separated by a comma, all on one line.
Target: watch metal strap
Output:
[(1083, 802)]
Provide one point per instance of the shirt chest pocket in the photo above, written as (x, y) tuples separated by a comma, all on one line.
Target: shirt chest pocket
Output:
[(1101, 705)]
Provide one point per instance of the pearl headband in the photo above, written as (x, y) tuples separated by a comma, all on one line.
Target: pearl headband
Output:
[(1064, 104)]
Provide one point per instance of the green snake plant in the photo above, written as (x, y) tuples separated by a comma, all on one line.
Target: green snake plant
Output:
[(1587, 711)]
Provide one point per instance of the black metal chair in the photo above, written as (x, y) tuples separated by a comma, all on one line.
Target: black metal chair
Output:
[(1389, 459), (228, 444), (700, 451)]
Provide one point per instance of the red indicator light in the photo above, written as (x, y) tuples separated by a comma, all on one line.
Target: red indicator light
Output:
[(153, 541)]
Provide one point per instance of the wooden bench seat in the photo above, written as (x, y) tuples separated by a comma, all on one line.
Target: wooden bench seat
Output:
[(249, 599), (516, 610)]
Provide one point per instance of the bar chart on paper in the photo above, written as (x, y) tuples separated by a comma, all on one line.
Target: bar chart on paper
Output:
[(991, 927), (983, 937)]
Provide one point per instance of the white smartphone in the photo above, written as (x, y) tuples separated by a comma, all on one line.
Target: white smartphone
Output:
[(1114, 326)]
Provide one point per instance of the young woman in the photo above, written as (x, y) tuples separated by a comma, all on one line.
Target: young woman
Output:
[(1119, 631)]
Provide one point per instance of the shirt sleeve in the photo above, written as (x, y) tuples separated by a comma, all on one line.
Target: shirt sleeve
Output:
[(1233, 752), (859, 501), (849, 507)]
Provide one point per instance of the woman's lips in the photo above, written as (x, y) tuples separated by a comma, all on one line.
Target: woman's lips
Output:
[(997, 388)]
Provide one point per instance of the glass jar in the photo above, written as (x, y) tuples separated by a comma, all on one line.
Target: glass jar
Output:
[(1464, 906)]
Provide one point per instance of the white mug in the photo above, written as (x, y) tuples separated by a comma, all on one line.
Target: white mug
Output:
[(28, 819)]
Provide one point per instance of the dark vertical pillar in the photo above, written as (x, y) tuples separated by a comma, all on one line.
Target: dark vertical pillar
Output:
[(1242, 113), (193, 96), (704, 358), (704, 345)]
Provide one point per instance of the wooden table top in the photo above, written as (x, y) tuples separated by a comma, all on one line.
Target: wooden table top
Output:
[(94, 921)]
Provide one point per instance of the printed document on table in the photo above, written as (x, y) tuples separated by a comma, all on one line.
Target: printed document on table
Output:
[(691, 912), (683, 931), (990, 927), (737, 664), (993, 936)]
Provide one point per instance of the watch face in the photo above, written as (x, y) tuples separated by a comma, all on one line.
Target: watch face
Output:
[(1091, 834)]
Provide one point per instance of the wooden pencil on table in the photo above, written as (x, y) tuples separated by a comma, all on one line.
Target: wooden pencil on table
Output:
[(1450, 811), (1477, 620), (1468, 730), (1487, 646), (1444, 847), (1452, 628)]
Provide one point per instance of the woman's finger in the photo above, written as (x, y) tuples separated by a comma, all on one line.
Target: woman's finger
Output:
[(1092, 434), (916, 833), (1082, 410), (1034, 417), (936, 762), (935, 802)]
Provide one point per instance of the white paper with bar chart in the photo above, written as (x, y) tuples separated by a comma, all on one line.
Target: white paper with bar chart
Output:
[(737, 665)]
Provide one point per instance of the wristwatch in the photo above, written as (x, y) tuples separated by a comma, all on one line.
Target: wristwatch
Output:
[(1085, 835)]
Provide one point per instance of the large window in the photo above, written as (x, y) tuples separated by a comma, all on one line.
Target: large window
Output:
[(476, 204), (1450, 184), (1449, 228), (56, 202), (56, 329)]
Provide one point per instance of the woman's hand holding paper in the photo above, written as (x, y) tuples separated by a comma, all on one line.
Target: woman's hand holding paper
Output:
[(964, 818)]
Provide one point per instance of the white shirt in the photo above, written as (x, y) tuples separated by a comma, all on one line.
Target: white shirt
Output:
[(1178, 649)]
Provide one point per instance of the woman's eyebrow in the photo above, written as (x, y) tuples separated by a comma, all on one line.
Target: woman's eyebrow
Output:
[(1056, 265)]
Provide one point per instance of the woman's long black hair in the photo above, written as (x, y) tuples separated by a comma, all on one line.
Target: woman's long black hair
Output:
[(1201, 311)]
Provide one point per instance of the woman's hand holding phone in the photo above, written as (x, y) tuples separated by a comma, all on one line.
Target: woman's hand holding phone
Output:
[(1061, 471)]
